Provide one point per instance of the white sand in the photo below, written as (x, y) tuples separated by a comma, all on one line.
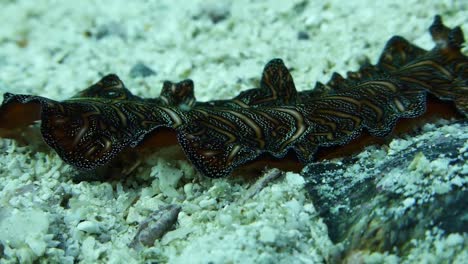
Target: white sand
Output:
[(49, 48)]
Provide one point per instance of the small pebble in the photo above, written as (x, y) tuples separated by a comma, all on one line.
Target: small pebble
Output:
[(268, 234), (206, 203), (88, 227), (112, 28), (216, 11)]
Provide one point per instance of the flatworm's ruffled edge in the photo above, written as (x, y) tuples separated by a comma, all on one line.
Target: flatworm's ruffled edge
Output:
[(93, 127)]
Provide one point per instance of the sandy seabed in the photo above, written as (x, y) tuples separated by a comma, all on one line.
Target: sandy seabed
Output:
[(57, 48)]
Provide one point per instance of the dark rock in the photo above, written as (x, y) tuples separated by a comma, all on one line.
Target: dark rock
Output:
[(300, 7), (141, 70), (302, 35), (380, 202)]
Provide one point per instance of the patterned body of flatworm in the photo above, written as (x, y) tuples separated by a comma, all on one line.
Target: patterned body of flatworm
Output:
[(96, 125)]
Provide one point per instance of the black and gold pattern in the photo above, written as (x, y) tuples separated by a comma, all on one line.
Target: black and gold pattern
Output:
[(93, 127)]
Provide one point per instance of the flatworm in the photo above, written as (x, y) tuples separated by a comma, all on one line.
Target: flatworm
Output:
[(95, 126)]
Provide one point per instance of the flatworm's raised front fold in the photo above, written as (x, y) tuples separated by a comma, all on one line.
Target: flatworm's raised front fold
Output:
[(93, 127)]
